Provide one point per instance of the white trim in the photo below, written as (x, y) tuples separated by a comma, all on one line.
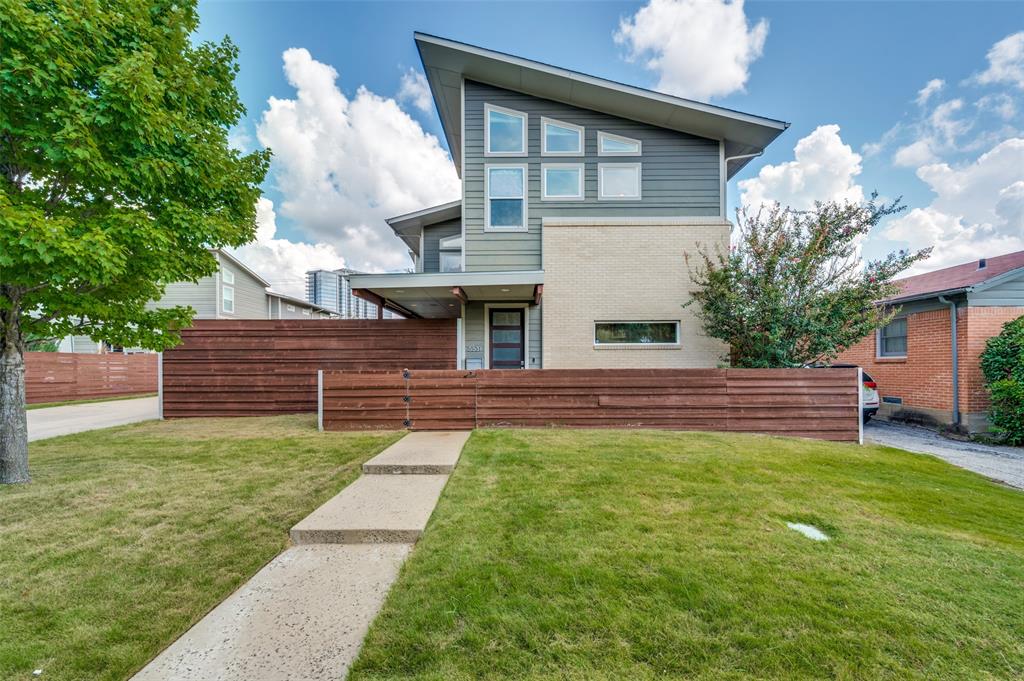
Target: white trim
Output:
[(559, 221), (159, 385), (580, 131), (446, 279), (723, 182), (488, 108), (639, 181), (878, 339), (860, 405), (487, 197), (462, 164), (224, 289), (320, 400), (602, 135), (487, 330), (419, 258), (676, 344), (544, 167)]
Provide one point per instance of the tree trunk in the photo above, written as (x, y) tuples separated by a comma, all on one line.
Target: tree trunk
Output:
[(13, 423)]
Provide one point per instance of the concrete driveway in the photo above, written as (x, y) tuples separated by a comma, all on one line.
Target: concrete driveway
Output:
[(75, 418), (1004, 464)]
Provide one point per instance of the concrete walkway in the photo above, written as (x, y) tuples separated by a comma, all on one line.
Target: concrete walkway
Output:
[(305, 614), (76, 418)]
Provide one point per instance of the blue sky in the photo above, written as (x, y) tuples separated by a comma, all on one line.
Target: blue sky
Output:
[(856, 65)]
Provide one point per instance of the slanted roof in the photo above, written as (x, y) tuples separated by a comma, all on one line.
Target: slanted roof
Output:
[(959, 278), (299, 301), (242, 266), (409, 226), (447, 62)]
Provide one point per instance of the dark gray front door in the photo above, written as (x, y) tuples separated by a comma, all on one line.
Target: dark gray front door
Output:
[(507, 338)]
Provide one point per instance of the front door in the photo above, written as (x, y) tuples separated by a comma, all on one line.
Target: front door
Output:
[(507, 335)]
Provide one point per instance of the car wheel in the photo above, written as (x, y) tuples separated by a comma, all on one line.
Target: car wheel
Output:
[(866, 418)]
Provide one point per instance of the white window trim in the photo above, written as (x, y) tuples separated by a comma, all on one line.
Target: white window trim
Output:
[(487, 330), (488, 108), (580, 131), (580, 194), (450, 245), (228, 276), (639, 182), (677, 323), (291, 308), (224, 290), (878, 341), (487, 197), (601, 135)]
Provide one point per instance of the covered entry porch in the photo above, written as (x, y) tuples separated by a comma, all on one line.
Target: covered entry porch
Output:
[(498, 313)]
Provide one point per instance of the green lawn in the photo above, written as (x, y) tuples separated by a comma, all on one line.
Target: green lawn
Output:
[(47, 405), (559, 554), (127, 536)]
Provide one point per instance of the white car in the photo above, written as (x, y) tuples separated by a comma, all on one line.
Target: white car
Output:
[(869, 390)]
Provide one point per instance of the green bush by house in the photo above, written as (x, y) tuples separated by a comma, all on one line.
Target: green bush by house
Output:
[(1002, 362)]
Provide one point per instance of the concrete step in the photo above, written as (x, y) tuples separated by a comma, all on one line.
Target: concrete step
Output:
[(420, 453), (375, 509), (303, 616)]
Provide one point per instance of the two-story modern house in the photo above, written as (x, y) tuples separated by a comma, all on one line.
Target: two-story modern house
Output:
[(581, 199)]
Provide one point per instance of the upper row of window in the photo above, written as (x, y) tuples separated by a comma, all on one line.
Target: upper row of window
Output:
[(505, 135)]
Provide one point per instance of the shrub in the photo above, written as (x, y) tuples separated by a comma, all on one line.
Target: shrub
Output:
[(1002, 362)]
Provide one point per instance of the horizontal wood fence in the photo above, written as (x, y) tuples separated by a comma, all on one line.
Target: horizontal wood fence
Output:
[(815, 403), (264, 367), (68, 376)]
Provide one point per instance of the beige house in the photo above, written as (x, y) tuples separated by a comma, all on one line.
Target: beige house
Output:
[(581, 200)]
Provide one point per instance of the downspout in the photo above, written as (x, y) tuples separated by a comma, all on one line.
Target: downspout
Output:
[(956, 364)]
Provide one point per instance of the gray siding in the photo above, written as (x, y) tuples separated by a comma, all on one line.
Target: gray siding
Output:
[(201, 297), (680, 176), (473, 333), (1008, 293), (250, 295), (432, 236)]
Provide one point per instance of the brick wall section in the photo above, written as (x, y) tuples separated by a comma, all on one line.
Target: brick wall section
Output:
[(924, 378), (624, 270)]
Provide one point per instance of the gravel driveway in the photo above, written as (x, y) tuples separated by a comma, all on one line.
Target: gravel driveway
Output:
[(1004, 464)]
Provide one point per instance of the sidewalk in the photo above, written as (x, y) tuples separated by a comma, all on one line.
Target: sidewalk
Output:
[(76, 418), (305, 614)]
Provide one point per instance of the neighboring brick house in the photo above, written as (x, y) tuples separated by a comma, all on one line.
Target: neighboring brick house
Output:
[(912, 359)]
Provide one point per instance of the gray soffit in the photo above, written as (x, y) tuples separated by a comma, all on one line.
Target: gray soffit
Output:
[(447, 62), (409, 226)]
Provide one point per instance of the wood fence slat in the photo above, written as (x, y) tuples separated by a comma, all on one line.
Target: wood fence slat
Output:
[(66, 376)]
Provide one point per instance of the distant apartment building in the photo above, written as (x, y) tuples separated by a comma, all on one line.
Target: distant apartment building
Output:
[(331, 289)]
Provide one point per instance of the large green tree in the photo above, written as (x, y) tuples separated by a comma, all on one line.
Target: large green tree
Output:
[(116, 177), (792, 290)]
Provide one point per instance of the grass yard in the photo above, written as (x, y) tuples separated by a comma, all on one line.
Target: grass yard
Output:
[(655, 555), (127, 536), (94, 400)]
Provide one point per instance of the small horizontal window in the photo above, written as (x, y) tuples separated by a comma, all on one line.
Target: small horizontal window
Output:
[(636, 333), (291, 308), (561, 182), (617, 145), (560, 139), (618, 181), (892, 339), (504, 131)]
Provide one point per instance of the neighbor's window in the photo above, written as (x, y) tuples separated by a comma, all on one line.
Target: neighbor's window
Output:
[(505, 131), (227, 291), (561, 182), (618, 181), (560, 139), (291, 308), (506, 197), (636, 333), (617, 145), (892, 339), (450, 254)]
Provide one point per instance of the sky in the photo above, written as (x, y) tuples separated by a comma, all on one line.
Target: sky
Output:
[(923, 101)]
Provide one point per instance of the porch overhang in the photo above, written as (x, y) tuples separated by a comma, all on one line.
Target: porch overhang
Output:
[(441, 294)]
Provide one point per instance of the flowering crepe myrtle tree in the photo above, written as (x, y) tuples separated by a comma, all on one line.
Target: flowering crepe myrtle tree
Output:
[(792, 290), (115, 178)]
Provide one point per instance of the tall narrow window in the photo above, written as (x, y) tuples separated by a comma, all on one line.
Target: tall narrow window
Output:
[(892, 338), (560, 139), (506, 197), (450, 254), (227, 291), (504, 132), (618, 181), (617, 145)]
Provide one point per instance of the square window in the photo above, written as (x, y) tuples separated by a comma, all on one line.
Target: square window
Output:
[(506, 197), (562, 182), (617, 145), (618, 181), (892, 339), (451, 261), (505, 132), (560, 139)]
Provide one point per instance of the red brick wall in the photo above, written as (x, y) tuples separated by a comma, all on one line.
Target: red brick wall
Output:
[(924, 378)]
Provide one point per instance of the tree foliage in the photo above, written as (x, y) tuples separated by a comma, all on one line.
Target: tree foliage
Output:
[(115, 172), (1002, 363), (793, 290)]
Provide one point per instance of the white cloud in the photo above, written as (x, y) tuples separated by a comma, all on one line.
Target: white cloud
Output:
[(824, 169), (414, 89), (1005, 63), (938, 131), (699, 48), (930, 88), (1001, 104), (914, 154), (978, 210), (344, 165), (282, 262)]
